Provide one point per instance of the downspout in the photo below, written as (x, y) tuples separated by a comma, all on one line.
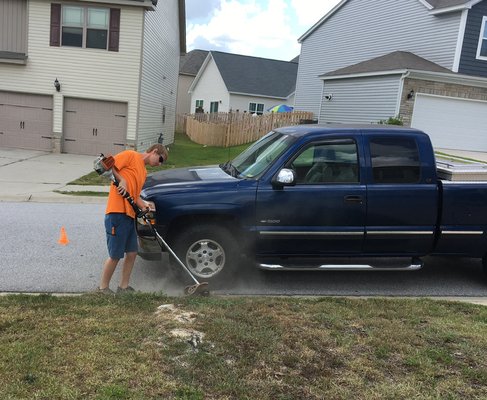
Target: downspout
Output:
[(321, 100), (401, 91)]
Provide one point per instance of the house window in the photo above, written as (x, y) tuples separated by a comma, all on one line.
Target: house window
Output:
[(256, 108), (82, 26), (482, 47), (199, 106), (214, 106), (85, 27)]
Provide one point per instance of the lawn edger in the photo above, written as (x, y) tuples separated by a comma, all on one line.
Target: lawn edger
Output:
[(103, 165)]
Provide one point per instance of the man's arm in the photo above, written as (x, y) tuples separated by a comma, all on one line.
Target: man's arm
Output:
[(122, 183)]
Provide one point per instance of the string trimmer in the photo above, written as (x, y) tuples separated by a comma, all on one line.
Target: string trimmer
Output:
[(103, 166)]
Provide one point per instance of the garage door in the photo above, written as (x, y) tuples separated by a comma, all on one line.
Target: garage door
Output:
[(93, 127), (25, 121), (452, 123)]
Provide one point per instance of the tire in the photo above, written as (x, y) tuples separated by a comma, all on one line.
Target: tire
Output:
[(209, 251)]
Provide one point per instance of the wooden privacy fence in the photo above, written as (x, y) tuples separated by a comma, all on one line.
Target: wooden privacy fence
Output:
[(231, 129)]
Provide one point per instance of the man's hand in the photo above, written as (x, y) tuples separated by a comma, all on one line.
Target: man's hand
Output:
[(150, 205)]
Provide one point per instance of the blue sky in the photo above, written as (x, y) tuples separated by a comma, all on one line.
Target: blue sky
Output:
[(261, 28)]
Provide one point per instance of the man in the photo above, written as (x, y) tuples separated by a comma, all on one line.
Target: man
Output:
[(130, 172)]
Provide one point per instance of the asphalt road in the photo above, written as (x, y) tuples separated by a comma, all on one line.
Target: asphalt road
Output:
[(33, 261)]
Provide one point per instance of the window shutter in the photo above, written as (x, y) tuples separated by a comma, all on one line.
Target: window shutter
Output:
[(55, 25), (114, 34)]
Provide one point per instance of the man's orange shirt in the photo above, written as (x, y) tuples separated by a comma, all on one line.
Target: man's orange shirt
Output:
[(131, 167)]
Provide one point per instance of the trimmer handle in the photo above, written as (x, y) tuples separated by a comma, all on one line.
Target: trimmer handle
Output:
[(138, 211)]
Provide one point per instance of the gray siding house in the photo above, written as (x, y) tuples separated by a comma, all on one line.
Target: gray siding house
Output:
[(422, 60), (89, 76)]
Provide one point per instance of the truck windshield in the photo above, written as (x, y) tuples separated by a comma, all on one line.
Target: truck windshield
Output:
[(254, 160)]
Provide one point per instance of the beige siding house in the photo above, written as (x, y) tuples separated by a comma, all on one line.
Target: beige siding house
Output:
[(90, 76), (189, 66)]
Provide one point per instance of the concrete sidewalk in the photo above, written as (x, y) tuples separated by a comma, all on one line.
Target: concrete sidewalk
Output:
[(30, 175)]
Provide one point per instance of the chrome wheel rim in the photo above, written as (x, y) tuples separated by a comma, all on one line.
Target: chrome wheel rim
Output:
[(205, 258)]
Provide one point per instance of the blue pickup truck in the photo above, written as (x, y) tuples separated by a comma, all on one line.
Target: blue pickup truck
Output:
[(316, 197)]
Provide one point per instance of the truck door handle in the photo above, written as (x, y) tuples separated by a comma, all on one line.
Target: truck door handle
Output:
[(353, 199)]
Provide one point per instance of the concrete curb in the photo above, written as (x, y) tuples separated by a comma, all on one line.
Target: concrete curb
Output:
[(481, 301), (52, 197)]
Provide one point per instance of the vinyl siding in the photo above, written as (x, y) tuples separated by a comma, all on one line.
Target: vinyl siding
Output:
[(160, 71), (183, 105), (469, 64), (360, 100), (210, 87), (85, 73), (361, 30)]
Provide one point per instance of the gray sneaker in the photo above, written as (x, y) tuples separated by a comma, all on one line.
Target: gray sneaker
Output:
[(128, 289), (104, 291)]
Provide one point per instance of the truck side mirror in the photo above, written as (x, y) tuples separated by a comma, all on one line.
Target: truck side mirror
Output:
[(285, 177)]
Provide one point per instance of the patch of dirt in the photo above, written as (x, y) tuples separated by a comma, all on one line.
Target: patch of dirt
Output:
[(170, 313)]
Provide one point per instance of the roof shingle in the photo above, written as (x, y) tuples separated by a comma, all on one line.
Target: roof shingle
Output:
[(190, 63), (397, 60), (254, 75)]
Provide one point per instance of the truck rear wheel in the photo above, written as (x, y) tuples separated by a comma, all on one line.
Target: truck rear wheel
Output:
[(209, 252)]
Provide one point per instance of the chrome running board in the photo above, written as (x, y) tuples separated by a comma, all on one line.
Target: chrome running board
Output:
[(378, 265)]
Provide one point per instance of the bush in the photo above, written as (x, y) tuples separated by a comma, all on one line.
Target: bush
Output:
[(392, 121)]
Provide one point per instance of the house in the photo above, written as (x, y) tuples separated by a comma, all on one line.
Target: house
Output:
[(424, 61), (189, 65), (89, 76), (232, 82)]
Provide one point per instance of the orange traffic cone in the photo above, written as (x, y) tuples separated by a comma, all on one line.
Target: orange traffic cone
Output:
[(63, 238)]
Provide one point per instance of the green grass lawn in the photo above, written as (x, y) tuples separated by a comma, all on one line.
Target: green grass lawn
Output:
[(182, 153), (96, 347)]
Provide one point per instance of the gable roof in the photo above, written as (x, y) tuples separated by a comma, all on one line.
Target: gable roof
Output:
[(433, 6), (408, 65), (256, 76), (190, 63), (395, 61)]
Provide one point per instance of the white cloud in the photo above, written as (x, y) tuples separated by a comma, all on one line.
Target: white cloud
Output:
[(308, 12), (262, 28)]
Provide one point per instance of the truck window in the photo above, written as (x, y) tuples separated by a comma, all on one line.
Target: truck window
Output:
[(327, 163), (255, 159), (394, 160)]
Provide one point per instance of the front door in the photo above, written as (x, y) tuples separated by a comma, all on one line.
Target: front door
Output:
[(324, 213)]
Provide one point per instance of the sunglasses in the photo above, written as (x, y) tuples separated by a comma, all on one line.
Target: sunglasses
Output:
[(161, 159)]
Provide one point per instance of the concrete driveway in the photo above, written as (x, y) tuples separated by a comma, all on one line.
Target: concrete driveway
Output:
[(30, 175)]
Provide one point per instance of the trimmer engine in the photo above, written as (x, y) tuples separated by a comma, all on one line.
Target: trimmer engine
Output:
[(103, 166)]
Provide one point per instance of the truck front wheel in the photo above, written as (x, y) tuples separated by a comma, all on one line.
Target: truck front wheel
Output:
[(209, 252)]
